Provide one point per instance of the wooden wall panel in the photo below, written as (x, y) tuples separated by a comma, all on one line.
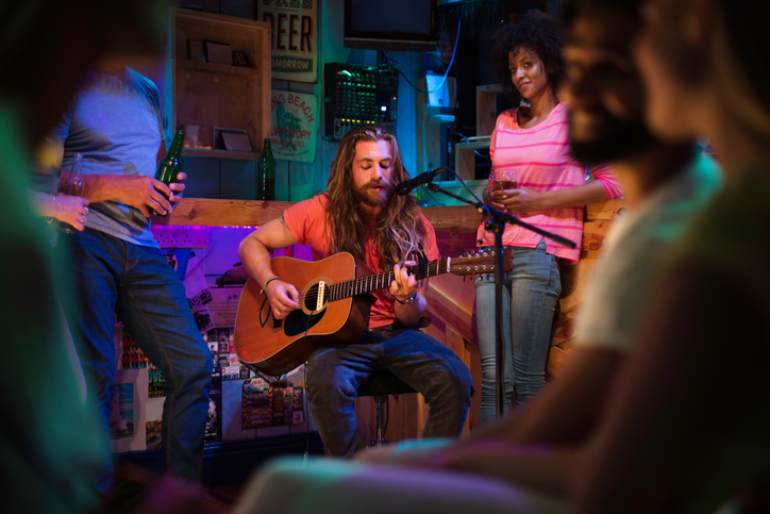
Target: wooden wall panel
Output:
[(598, 220)]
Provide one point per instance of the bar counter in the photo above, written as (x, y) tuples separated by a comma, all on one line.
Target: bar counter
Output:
[(252, 213)]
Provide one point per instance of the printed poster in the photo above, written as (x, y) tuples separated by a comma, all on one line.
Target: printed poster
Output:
[(294, 126), (127, 416), (254, 408), (294, 34), (122, 412)]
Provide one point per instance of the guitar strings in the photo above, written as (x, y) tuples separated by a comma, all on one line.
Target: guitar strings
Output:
[(364, 283)]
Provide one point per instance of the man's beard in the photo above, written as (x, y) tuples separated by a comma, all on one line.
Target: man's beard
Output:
[(362, 195), (621, 140)]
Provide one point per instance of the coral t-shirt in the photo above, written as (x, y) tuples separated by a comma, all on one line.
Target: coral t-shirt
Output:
[(309, 223)]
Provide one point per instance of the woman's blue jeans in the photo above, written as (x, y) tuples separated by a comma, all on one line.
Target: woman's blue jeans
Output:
[(530, 293)]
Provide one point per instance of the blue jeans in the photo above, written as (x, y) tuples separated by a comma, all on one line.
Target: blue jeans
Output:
[(335, 374), (113, 276), (530, 292)]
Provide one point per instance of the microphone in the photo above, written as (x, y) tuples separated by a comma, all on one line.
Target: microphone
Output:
[(407, 186)]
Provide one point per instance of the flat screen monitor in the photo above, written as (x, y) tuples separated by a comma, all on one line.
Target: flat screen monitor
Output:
[(442, 93), (390, 24)]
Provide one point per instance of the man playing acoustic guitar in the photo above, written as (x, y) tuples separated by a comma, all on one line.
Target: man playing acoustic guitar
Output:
[(360, 214)]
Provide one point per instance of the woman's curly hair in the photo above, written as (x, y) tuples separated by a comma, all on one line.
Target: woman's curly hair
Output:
[(535, 31)]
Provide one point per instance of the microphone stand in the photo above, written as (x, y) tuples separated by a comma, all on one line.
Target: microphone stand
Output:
[(496, 221)]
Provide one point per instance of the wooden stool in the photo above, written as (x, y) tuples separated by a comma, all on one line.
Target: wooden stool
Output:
[(380, 385)]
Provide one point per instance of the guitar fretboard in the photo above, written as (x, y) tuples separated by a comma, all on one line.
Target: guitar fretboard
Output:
[(363, 285)]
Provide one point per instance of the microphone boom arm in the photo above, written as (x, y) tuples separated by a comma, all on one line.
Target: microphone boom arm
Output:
[(498, 215), (496, 222)]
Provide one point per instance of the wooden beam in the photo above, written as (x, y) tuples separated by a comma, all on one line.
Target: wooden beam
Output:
[(460, 218), (252, 213), (222, 213)]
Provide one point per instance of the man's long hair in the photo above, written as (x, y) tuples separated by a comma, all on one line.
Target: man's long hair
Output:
[(399, 231)]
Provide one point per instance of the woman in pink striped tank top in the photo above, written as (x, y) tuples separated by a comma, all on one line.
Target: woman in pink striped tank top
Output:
[(533, 177)]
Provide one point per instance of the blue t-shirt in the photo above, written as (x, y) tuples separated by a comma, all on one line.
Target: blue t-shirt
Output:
[(115, 124)]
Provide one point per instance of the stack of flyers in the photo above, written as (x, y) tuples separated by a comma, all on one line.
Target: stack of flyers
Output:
[(255, 404)]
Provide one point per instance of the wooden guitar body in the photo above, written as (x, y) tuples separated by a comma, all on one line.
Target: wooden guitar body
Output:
[(278, 346), (334, 306)]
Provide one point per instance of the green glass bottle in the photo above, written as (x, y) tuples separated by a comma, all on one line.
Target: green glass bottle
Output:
[(266, 173), (170, 165)]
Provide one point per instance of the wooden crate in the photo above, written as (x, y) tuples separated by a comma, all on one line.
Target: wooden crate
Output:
[(486, 107)]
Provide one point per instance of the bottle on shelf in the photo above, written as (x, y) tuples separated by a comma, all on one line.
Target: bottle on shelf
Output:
[(170, 165), (266, 173)]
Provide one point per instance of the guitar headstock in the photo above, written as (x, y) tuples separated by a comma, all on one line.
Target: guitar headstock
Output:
[(480, 260)]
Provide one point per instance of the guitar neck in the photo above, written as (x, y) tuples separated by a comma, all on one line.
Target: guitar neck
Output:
[(363, 285)]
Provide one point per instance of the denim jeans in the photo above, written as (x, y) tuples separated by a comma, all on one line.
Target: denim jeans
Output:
[(335, 374), (113, 276), (530, 292)]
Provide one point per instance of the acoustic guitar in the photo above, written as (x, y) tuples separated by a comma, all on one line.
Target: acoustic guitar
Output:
[(334, 306)]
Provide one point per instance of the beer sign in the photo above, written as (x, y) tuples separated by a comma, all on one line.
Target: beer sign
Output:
[(293, 37)]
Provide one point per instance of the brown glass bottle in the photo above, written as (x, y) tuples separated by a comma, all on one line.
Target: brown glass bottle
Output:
[(266, 173)]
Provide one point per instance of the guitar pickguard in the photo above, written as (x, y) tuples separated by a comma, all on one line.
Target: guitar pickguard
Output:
[(297, 322)]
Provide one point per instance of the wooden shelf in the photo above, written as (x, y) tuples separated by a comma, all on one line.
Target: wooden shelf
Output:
[(212, 95), (210, 67), (486, 107), (465, 156), (208, 153)]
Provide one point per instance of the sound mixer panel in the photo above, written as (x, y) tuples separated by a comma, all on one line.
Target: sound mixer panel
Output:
[(359, 95)]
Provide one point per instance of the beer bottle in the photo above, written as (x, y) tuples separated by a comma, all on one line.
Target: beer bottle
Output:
[(266, 173), (170, 165)]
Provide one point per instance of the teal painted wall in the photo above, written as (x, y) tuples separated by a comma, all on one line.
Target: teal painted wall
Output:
[(296, 181)]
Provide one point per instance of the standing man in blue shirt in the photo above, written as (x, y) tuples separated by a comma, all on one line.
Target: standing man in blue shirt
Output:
[(115, 124)]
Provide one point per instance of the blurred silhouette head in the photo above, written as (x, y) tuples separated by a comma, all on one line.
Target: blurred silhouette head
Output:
[(46, 48), (602, 88), (704, 59)]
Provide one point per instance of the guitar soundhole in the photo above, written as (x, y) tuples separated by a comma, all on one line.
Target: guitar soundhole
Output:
[(298, 322), (311, 300)]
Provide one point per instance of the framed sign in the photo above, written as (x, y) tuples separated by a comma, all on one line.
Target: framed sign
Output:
[(294, 34), (295, 126), (127, 414)]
